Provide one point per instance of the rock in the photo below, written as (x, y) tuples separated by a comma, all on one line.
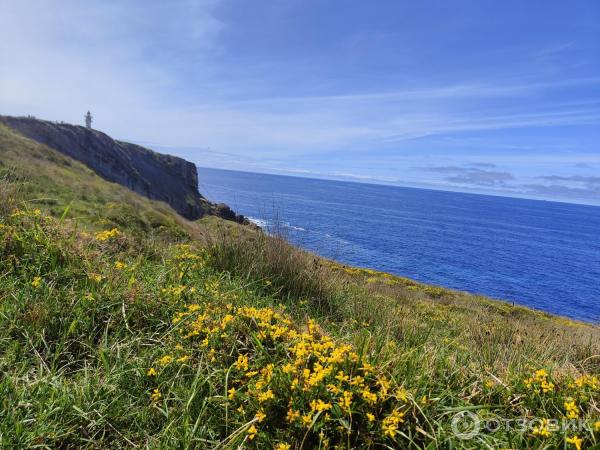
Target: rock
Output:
[(154, 175)]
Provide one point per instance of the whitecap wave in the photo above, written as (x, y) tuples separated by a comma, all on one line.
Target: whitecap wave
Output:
[(261, 223)]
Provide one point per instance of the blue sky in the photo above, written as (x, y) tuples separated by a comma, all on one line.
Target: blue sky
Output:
[(478, 96)]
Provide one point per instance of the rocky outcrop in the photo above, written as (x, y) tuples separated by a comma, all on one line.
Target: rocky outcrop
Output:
[(154, 175)]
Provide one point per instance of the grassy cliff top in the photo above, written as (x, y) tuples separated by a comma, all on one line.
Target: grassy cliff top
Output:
[(124, 325)]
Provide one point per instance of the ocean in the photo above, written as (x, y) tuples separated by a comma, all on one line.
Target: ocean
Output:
[(540, 254)]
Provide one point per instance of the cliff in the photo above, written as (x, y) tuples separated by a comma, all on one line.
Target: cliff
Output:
[(154, 175)]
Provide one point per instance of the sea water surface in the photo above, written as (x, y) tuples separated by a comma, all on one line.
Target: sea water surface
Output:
[(540, 254)]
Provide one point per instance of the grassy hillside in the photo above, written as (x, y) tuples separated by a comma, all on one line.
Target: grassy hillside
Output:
[(123, 325)]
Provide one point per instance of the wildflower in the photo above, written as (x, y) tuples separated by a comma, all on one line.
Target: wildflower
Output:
[(151, 372), (260, 416), (597, 426), (106, 235), (543, 429), (282, 446), (252, 432), (589, 381), (231, 393), (36, 282), (576, 441), (572, 411), (264, 396), (401, 394), (183, 359), (346, 400), (547, 386), (95, 277), (167, 359), (155, 396), (119, 265), (193, 307), (369, 396), (292, 415), (391, 422), (371, 417), (320, 405), (306, 420), (242, 363)]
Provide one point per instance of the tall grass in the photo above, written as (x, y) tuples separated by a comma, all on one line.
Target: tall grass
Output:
[(271, 262), (83, 319)]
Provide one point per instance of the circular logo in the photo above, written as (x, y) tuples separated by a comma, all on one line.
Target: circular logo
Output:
[(466, 425)]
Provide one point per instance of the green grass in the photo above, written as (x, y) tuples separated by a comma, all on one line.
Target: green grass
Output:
[(136, 339)]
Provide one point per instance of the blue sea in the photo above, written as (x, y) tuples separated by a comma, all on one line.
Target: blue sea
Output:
[(540, 254)]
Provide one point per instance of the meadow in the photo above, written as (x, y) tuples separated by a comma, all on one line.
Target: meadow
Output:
[(124, 325)]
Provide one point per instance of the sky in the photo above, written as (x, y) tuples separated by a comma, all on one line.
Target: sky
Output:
[(477, 96)]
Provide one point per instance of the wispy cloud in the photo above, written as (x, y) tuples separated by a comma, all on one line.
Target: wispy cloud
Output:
[(473, 176), (574, 178)]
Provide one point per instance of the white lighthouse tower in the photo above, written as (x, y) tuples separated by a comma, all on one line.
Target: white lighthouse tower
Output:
[(88, 120)]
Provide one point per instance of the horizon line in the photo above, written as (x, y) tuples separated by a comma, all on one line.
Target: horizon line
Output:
[(376, 182)]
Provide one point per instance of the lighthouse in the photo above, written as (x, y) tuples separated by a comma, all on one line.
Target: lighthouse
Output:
[(88, 120)]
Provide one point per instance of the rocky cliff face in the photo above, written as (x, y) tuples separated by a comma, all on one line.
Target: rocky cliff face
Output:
[(154, 175)]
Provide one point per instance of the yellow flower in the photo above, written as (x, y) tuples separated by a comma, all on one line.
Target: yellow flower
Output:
[(346, 400), (572, 411), (576, 441), (183, 358), (119, 265), (155, 395), (252, 432), (292, 415), (543, 429), (282, 446), (320, 405), (597, 426), (260, 416), (36, 282), (151, 372), (391, 422), (547, 386), (106, 235), (231, 393), (371, 417), (306, 420), (264, 396), (369, 396), (401, 394), (165, 360), (242, 363)]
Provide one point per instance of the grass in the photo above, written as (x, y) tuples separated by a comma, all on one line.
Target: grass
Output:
[(172, 334)]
